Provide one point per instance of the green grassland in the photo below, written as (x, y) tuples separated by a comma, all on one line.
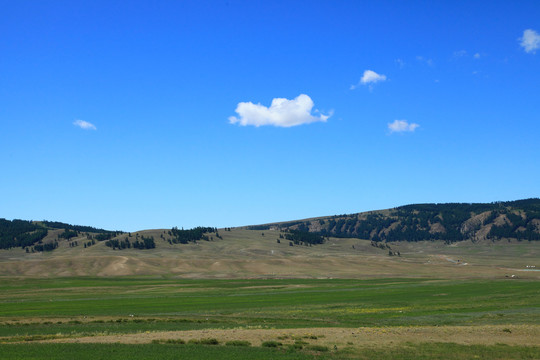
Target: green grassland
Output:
[(422, 351), (33, 310), (272, 302), (146, 351)]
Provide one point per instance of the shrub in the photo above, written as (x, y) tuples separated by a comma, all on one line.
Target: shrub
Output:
[(175, 341), (168, 341), (271, 344), (238, 343), (207, 341), (320, 348)]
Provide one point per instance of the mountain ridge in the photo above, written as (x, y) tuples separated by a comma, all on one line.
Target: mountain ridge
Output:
[(450, 222)]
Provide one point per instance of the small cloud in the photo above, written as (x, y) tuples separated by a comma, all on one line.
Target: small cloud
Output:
[(402, 126), (422, 59), (477, 56), (84, 125), (370, 77), (460, 53), (530, 41), (400, 63), (282, 113)]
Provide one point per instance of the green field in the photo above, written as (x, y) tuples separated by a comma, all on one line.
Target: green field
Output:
[(143, 309), (121, 351)]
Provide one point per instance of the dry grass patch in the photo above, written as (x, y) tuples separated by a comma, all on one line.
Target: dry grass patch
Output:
[(341, 337)]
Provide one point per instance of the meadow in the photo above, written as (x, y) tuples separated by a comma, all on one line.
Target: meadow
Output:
[(128, 317), (250, 296)]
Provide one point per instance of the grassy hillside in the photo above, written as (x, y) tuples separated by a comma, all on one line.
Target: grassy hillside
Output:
[(254, 253), (397, 242)]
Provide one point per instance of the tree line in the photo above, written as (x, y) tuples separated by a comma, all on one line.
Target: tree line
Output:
[(298, 237), (146, 242), (181, 236)]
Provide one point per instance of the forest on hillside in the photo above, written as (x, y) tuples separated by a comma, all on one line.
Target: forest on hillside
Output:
[(450, 222), (25, 233)]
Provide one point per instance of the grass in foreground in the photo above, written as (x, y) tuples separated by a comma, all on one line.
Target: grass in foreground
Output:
[(147, 351), (407, 351)]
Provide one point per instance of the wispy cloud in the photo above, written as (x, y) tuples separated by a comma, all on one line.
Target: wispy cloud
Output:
[(477, 56), (282, 113), (530, 41), (370, 77), (424, 60), (402, 126), (84, 125), (460, 53)]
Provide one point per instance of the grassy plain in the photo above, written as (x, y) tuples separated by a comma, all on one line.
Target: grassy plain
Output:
[(344, 299), (345, 316)]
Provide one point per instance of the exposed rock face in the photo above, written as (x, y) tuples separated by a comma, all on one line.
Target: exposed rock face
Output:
[(436, 228)]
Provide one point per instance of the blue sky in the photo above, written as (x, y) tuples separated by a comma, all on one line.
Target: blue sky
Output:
[(145, 114)]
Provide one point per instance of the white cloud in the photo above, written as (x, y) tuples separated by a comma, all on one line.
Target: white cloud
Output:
[(477, 56), (460, 53), (422, 59), (402, 126), (530, 41), (84, 125), (370, 77), (282, 112)]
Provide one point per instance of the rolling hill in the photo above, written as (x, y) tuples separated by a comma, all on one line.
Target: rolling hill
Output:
[(425, 240)]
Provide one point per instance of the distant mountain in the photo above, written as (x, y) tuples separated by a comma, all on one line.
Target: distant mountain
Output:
[(451, 222)]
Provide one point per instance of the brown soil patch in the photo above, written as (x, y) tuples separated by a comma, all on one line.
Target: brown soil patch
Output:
[(364, 336)]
